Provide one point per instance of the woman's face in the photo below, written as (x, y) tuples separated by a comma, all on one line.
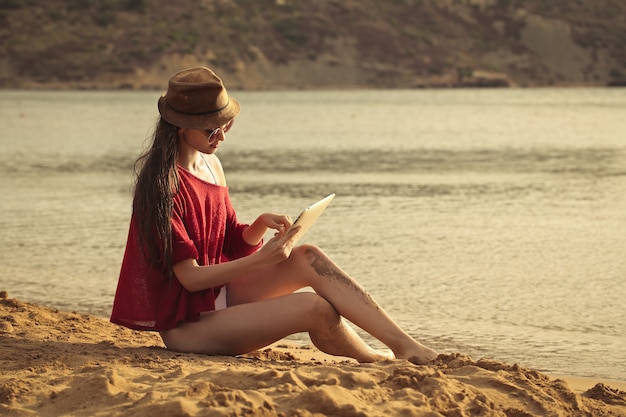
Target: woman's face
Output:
[(205, 141)]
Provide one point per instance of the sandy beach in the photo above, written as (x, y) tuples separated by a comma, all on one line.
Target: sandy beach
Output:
[(57, 363)]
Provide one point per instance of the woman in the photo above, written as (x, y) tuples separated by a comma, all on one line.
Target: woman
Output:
[(202, 279)]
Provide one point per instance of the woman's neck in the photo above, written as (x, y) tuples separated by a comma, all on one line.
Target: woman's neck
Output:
[(190, 160), (199, 165)]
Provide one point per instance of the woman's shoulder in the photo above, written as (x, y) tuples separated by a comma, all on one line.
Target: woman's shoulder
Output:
[(189, 184)]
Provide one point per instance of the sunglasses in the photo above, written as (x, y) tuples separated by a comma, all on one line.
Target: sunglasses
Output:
[(223, 129)]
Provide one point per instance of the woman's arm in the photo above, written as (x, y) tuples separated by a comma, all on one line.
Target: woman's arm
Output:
[(196, 277)]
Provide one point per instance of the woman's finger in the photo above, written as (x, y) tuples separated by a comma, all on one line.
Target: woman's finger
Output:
[(292, 233)]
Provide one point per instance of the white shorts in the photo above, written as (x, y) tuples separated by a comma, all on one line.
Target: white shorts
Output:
[(220, 301)]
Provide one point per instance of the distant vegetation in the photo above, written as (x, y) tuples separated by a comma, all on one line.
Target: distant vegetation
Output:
[(313, 44)]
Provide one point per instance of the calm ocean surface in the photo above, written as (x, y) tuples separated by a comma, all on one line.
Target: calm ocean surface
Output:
[(487, 222)]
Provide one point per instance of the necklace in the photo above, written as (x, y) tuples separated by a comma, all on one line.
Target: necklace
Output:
[(209, 168)]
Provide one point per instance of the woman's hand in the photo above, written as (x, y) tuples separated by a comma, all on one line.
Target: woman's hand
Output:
[(279, 247), (278, 222), (255, 232)]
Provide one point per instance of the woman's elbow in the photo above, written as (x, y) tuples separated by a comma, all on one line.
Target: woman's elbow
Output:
[(190, 285), (185, 272)]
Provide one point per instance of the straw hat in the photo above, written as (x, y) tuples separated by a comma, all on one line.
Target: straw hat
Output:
[(197, 99)]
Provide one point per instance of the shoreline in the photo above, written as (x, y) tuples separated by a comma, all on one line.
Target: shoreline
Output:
[(157, 88), (58, 363)]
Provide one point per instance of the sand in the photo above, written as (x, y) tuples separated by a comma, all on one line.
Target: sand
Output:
[(56, 363)]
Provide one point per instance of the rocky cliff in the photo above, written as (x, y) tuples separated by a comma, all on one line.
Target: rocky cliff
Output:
[(286, 44)]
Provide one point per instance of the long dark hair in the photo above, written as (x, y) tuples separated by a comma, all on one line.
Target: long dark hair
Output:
[(157, 183)]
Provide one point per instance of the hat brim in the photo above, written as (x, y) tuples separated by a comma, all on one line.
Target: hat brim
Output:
[(206, 121)]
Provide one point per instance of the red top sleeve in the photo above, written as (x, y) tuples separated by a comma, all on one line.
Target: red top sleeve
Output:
[(204, 228)]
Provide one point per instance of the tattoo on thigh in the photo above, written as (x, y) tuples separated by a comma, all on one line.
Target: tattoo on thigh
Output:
[(325, 268)]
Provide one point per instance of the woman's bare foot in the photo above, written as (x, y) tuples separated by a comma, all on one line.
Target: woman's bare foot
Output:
[(419, 354), (377, 356)]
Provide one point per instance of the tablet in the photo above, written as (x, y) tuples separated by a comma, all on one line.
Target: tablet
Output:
[(308, 216)]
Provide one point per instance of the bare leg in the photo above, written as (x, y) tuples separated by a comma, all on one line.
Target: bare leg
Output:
[(251, 326), (308, 266)]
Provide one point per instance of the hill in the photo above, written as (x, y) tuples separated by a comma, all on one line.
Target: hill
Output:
[(285, 44)]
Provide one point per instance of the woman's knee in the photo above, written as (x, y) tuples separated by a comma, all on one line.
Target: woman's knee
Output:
[(307, 255), (320, 267), (319, 310)]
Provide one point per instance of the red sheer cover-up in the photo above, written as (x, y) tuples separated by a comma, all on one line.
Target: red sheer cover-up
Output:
[(204, 228)]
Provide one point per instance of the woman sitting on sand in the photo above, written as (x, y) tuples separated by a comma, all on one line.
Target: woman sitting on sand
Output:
[(202, 279)]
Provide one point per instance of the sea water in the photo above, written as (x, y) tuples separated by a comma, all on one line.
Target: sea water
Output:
[(487, 222)]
